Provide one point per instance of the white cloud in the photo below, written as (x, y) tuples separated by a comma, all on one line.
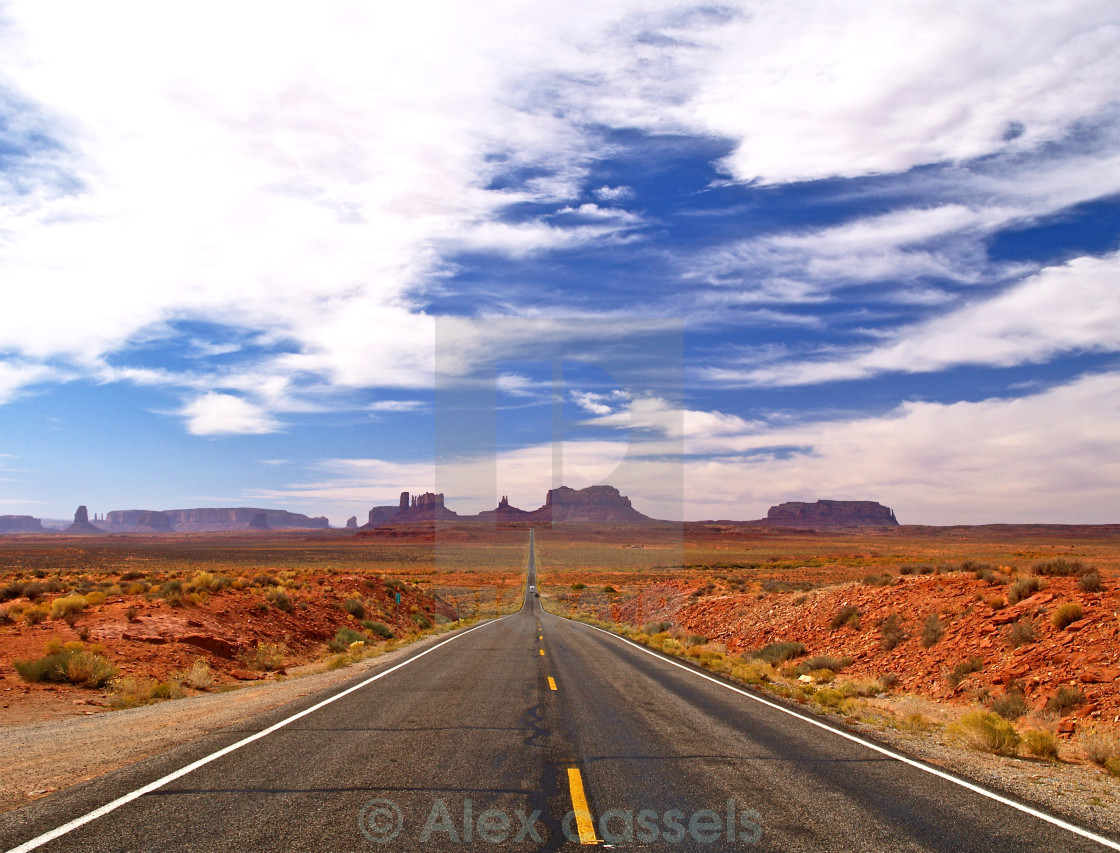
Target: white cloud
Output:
[(1065, 309), (223, 414), (608, 193), (396, 406)]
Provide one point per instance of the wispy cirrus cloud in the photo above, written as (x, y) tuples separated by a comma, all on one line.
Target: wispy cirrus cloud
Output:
[(1071, 308)]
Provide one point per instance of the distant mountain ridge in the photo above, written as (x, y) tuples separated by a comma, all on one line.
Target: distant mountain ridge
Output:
[(208, 520)]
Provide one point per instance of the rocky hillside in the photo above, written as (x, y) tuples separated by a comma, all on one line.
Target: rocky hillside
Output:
[(950, 636)]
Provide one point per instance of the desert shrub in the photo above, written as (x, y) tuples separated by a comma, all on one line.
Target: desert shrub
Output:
[(819, 662), (132, 576), (1065, 699), (1011, 705), (267, 656), (753, 671), (422, 621), (221, 582), (199, 676), (996, 602), (889, 680), (695, 640), (609, 590), (202, 581), (264, 580), (1090, 582), (925, 569), (132, 692), (847, 615), (354, 607), (1060, 568), (964, 668), (987, 732), (130, 614), (280, 600), (578, 586), (891, 632), (1024, 588), (1113, 767), (62, 607), (1066, 614), (137, 588), (881, 579), (776, 653), (908, 570), (828, 698), (94, 598), (861, 687), (35, 615), (343, 638), (6, 616), (652, 628), (33, 591), (1041, 744), (379, 628), (67, 666), (932, 630), (1021, 632), (170, 689), (1099, 744), (10, 591)]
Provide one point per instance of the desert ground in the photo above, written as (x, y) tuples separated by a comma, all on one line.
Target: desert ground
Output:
[(911, 629)]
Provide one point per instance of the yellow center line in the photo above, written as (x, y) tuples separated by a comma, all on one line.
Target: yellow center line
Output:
[(551, 683), (541, 637), (584, 824), (542, 653)]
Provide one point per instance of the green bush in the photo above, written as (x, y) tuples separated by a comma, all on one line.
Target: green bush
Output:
[(379, 628), (847, 615), (68, 666), (343, 638), (354, 607), (776, 653), (422, 621), (986, 732), (1066, 614)]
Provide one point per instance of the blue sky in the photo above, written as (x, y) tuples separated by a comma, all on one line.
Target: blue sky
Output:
[(726, 255)]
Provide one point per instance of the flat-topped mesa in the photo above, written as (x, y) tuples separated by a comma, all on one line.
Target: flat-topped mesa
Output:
[(826, 513), (82, 523), (352, 523), (20, 524), (137, 521), (593, 504)]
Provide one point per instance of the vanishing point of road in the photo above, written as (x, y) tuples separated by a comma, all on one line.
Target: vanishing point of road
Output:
[(533, 732)]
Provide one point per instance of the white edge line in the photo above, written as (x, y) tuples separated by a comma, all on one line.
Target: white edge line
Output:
[(1077, 830), (46, 837)]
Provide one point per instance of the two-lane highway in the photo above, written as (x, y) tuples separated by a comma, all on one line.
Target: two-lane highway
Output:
[(526, 732)]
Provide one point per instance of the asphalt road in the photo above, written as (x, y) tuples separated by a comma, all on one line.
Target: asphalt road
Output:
[(469, 746)]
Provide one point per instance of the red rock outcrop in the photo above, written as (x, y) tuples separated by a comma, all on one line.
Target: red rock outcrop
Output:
[(825, 514), (593, 504), (82, 523), (137, 521), (240, 518), (20, 524)]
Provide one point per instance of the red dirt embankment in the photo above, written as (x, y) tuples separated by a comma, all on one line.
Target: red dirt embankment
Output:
[(1085, 655)]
